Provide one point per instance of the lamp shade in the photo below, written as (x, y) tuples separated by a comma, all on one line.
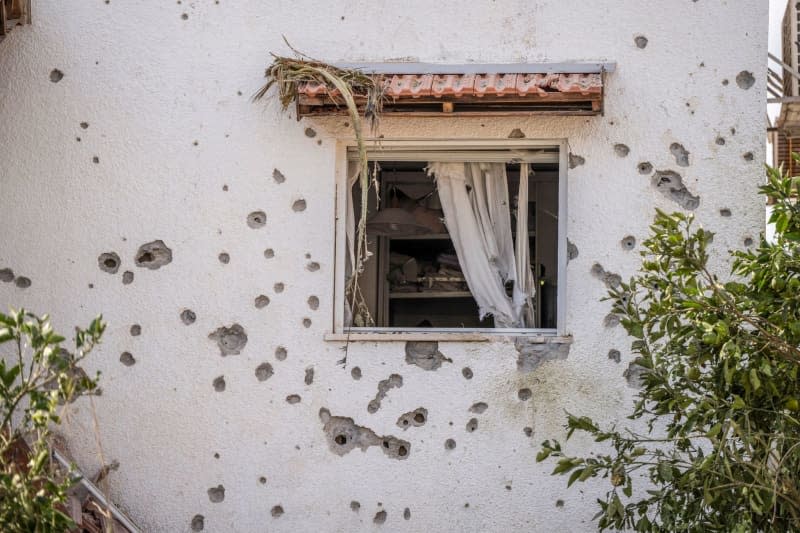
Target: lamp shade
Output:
[(394, 221)]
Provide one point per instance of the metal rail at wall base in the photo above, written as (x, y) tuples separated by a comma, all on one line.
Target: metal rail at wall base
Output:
[(100, 497)]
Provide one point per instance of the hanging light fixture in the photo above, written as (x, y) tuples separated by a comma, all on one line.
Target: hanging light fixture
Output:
[(394, 222)]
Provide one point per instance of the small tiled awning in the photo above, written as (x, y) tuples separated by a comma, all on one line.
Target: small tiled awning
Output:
[(565, 89)]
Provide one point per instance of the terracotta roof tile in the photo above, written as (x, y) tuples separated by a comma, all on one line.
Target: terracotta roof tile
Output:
[(456, 85)]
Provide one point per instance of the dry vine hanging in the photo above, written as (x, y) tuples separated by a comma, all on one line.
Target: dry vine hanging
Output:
[(346, 85)]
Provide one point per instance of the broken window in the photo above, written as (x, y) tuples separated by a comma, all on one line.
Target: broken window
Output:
[(462, 238)]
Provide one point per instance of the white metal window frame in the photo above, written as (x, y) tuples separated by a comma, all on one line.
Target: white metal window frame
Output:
[(420, 149)]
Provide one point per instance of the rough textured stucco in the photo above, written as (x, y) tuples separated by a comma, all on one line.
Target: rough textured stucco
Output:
[(182, 156)]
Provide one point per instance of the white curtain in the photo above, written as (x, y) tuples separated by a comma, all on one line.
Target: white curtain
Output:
[(523, 298), (475, 201)]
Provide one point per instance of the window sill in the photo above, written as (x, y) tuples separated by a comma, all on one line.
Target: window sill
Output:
[(530, 336)]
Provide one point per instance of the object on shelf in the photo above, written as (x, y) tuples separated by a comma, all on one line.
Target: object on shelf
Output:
[(394, 221)]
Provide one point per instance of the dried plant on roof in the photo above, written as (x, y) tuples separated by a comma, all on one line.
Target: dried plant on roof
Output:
[(346, 86)]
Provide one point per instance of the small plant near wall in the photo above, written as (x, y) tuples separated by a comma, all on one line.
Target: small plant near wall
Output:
[(37, 378), (720, 396)]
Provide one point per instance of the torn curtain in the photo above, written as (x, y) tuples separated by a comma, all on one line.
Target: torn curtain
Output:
[(475, 201)]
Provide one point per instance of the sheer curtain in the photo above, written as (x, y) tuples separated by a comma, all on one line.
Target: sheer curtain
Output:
[(475, 201)]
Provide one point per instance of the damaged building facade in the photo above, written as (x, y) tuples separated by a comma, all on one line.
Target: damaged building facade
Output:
[(138, 179)]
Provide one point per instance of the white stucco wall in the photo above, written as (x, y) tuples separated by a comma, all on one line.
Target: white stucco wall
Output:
[(170, 121)]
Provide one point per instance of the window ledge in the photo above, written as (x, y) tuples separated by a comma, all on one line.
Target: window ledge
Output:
[(536, 337)]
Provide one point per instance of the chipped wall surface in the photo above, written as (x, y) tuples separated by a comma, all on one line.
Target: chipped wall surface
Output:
[(141, 182)]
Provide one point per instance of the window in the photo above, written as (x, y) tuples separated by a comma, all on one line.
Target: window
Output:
[(452, 247)]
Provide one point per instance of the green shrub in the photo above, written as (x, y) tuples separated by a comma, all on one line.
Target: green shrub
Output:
[(37, 377), (720, 397)]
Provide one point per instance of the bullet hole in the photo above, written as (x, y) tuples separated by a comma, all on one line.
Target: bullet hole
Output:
[(384, 386), (449, 444), (313, 303), (310, 133), (725, 82), (508, 487), (78, 139), (231, 341), (748, 242), (344, 435), (299, 205), (22, 282), (611, 320), (747, 156), (641, 41), (277, 511), (415, 418), (720, 141), (95, 160), (216, 456), (621, 150), (278, 176), (91, 285), (312, 266), (645, 167), (280, 353), (56, 75), (670, 184), (293, 399), (528, 431), (472, 425), (628, 242), (184, 16), (559, 503), (611, 280), (264, 372), (188, 317), (572, 250), (6, 275), (257, 219), (261, 301), (84, 125), (219, 383), (216, 494), (516, 133), (278, 287), (355, 506), (725, 212), (355, 373), (224, 258), (198, 522), (745, 79), (309, 378), (425, 354), (680, 154), (127, 277), (614, 355), (634, 375), (479, 407), (407, 514), (306, 322), (153, 255), (524, 394), (466, 372), (136, 330), (575, 160), (380, 517), (262, 480), (127, 359), (108, 262)]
